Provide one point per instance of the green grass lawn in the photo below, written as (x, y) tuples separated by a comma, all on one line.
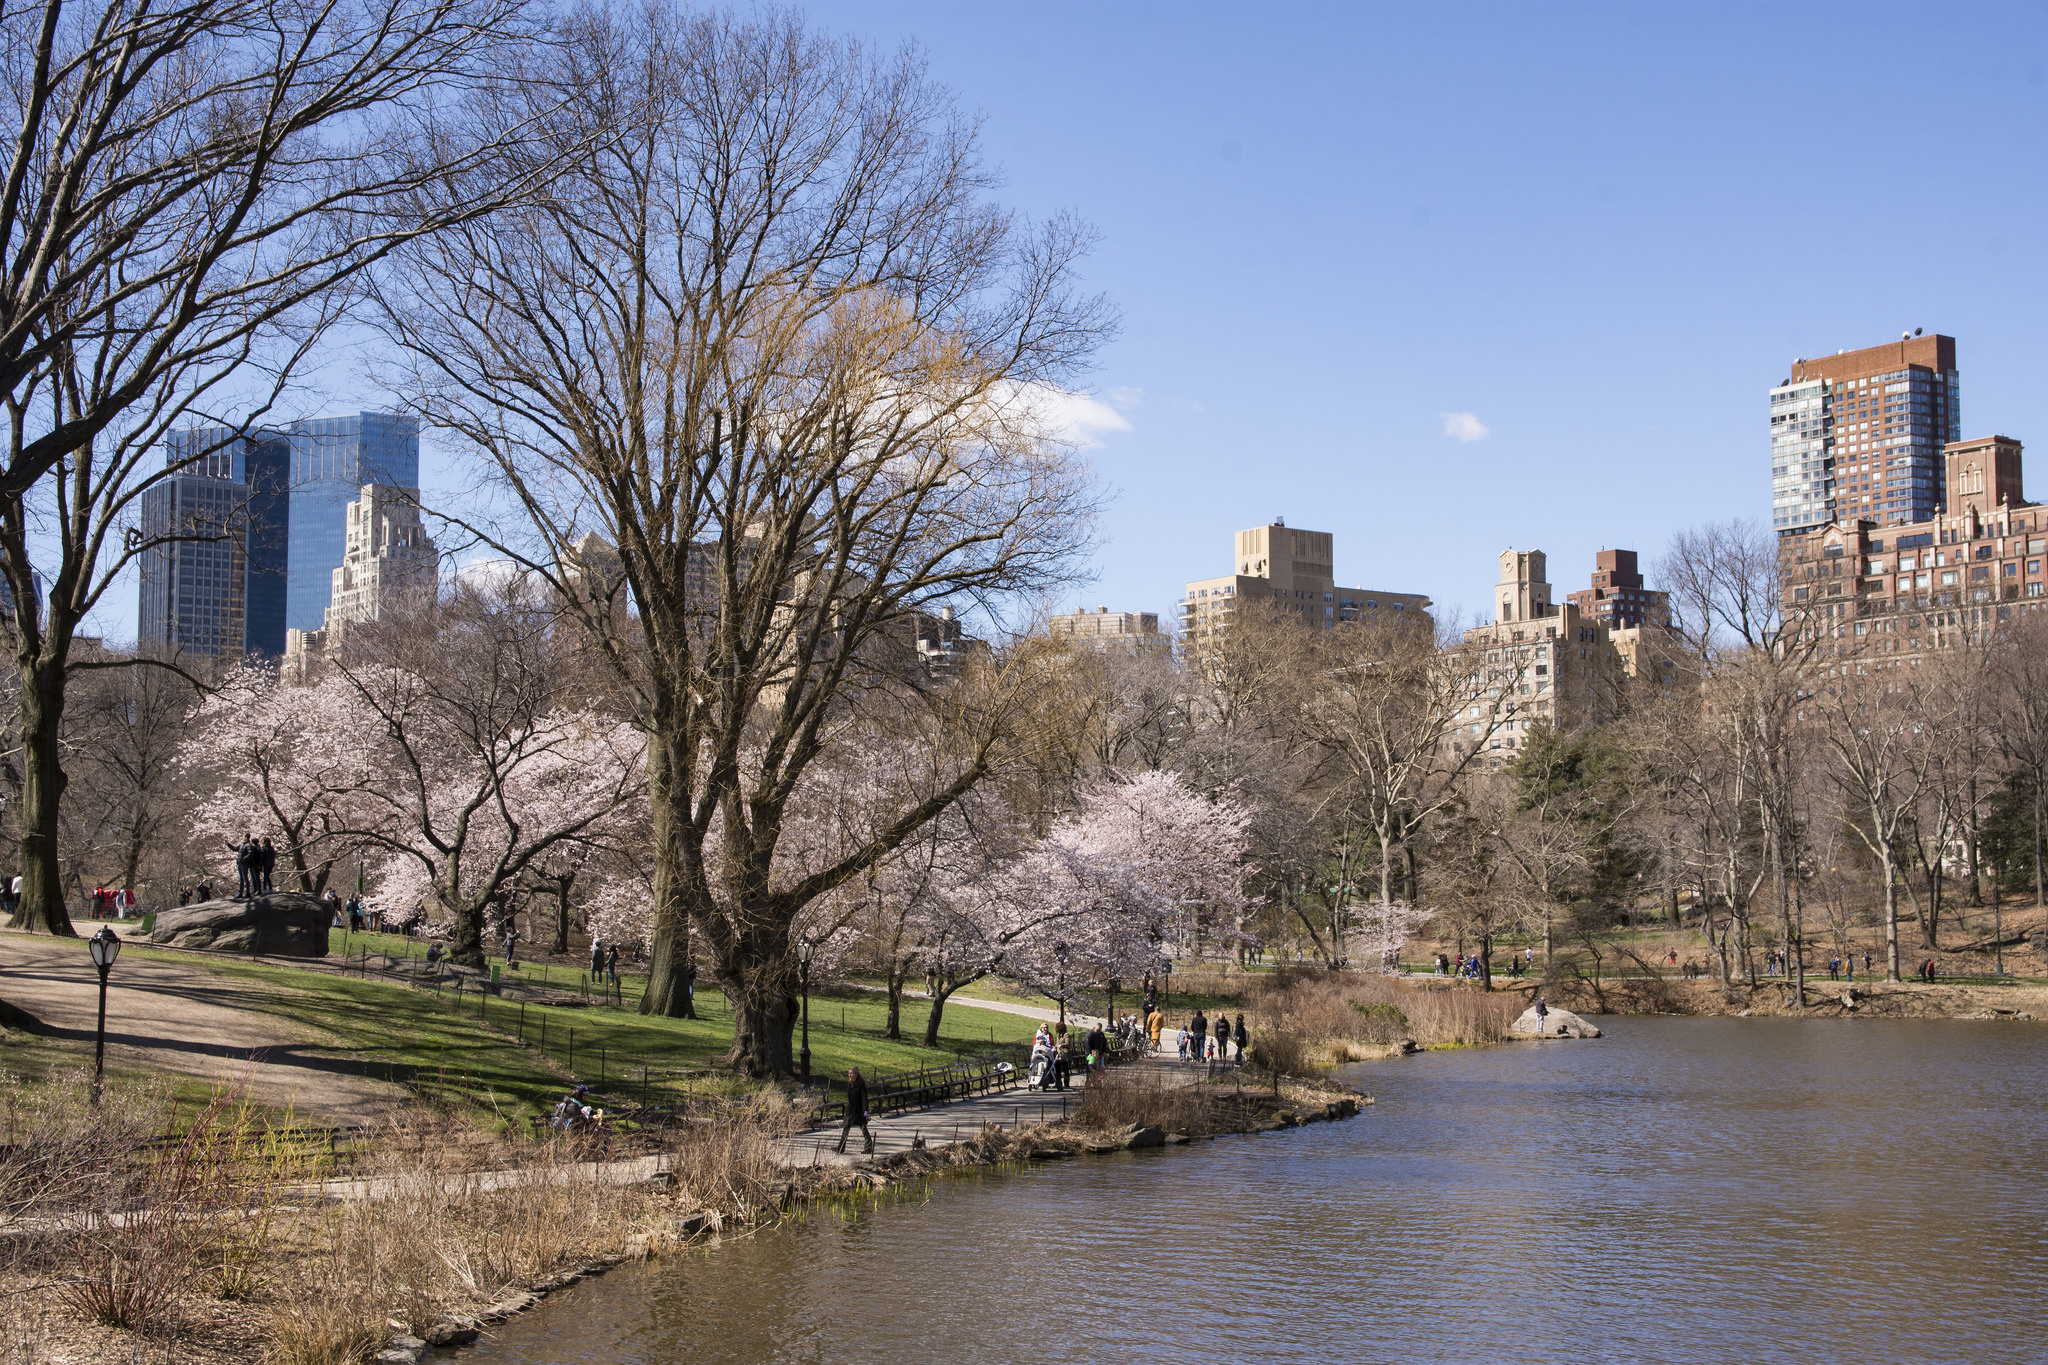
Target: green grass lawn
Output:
[(516, 1061)]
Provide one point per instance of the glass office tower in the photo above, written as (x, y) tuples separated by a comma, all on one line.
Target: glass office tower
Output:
[(331, 459), (214, 581), (1858, 435)]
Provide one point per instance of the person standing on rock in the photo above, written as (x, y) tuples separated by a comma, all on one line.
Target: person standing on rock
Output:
[(1542, 1014), (266, 861), (856, 1112), (245, 866)]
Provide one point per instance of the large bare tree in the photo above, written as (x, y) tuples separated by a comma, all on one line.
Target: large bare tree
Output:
[(768, 336), (189, 192)]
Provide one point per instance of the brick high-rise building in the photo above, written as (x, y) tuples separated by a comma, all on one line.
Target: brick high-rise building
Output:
[(1617, 597), (1859, 434), (1905, 588)]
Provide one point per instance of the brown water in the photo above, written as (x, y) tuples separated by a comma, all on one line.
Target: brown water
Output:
[(1681, 1190)]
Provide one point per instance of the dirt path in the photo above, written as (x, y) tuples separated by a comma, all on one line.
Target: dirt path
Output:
[(174, 1016)]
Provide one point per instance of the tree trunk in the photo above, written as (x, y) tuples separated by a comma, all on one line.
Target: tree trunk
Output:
[(762, 1025), (1891, 915), (2040, 837), (941, 993), (667, 985), (41, 712), (894, 1027), (468, 948), (561, 944)]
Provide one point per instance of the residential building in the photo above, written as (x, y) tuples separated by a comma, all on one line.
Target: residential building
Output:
[(1903, 588), (213, 568), (1617, 597), (1541, 662), (1292, 570), (332, 458), (1106, 629), (386, 556), (1860, 434)]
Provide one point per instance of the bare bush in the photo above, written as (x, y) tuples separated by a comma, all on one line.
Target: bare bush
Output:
[(1123, 1097)]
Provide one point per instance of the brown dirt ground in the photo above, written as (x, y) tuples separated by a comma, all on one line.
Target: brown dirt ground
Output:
[(179, 1017)]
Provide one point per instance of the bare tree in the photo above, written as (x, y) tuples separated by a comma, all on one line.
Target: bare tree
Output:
[(189, 193), (2019, 666), (767, 334)]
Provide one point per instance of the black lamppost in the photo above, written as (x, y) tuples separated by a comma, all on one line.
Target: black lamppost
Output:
[(804, 948), (1059, 950), (105, 946)]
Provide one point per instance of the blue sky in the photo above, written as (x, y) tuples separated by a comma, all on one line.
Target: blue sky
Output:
[(1602, 233)]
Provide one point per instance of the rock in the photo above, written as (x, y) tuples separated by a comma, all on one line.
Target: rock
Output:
[(452, 1332), (1152, 1135), (1101, 1148), (1745, 1014), (285, 924), (1178, 1139), (405, 1341), (1558, 1024), (1344, 1109), (1407, 1047), (694, 1224), (1047, 1154), (505, 1308), (392, 1356)]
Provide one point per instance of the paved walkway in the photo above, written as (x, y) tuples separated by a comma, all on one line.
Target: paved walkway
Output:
[(943, 1124)]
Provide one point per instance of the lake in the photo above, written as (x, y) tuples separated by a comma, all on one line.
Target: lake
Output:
[(1680, 1190)]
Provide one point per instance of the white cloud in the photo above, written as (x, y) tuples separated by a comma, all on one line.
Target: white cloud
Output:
[(1464, 426), (1081, 418)]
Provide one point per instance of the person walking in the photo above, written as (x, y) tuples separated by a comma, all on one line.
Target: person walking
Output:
[(1243, 1040), (1154, 1022), (856, 1112), (266, 863), (1181, 1042), (1199, 1026)]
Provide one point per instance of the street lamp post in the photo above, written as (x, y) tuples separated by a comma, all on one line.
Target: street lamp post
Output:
[(105, 947), (804, 948), (1059, 950)]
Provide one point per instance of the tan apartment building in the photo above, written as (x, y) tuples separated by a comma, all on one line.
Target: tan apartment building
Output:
[(1291, 569), (1906, 587), (1542, 662), (1106, 629)]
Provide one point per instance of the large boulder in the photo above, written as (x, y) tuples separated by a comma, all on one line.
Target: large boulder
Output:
[(1557, 1024), (284, 923)]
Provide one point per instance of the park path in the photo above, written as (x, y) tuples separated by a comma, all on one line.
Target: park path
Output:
[(958, 1120), (170, 1016)]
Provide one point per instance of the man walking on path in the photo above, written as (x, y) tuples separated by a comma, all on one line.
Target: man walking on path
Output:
[(856, 1112)]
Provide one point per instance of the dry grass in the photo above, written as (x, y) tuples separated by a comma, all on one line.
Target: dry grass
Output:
[(153, 1220), (1143, 1096), (1299, 1017)]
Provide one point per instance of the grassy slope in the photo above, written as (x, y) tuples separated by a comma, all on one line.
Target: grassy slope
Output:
[(517, 1062)]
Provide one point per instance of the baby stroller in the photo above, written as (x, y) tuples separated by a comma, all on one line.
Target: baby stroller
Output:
[(1044, 1069)]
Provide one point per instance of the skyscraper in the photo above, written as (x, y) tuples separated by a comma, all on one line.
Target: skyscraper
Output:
[(1291, 570), (332, 458), (1859, 434), (214, 581)]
